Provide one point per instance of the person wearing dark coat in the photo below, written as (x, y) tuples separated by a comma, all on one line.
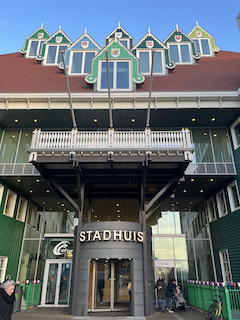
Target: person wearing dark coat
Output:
[(170, 290), (161, 293), (7, 298)]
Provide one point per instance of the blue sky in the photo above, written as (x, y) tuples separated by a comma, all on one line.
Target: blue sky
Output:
[(18, 19)]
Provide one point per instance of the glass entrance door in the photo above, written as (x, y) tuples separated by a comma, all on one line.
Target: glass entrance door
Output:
[(56, 283), (109, 285)]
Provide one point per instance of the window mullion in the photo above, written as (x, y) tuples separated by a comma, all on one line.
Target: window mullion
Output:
[(179, 52), (83, 62), (56, 55), (115, 75)]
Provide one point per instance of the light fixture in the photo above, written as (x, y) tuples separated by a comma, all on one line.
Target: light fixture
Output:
[(118, 210), (133, 120), (47, 191), (205, 133), (193, 119), (68, 211), (35, 120), (18, 180), (37, 180), (62, 204), (211, 180), (13, 136), (184, 190), (95, 120), (215, 134), (213, 119), (192, 180), (16, 120), (50, 209), (43, 202), (119, 216), (95, 216), (31, 191), (117, 204), (201, 190)]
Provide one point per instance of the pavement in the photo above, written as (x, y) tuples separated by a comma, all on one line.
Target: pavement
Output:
[(62, 314)]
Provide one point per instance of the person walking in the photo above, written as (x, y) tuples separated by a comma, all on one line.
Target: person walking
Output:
[(161, 293), (170, 290), (7, 298)]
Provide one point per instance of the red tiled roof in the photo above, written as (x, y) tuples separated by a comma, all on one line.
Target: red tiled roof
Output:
[(219, 73)]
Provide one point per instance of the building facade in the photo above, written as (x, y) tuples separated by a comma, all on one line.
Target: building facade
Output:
[(118, 164)]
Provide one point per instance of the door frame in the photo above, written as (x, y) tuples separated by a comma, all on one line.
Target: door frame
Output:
[(59, 262)]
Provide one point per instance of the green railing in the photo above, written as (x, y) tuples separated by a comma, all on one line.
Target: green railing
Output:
[(29, 294), (202, 296)]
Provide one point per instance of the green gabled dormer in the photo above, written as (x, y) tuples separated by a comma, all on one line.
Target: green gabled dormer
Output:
[(123, 68), (52, 48), (143, 50), (121, 34), (181, 48), (204, 42), (34, 42)]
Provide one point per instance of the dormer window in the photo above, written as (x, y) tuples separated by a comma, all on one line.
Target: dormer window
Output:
[(119, 75), (180, 53), (35, 47), (81, 62), (53, 54), (203, 47), (145, 62)]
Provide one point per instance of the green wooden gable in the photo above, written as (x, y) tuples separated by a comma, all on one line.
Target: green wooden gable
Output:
[(40, 34), (58, 38), (116, 31), (116, 51), (178, 36), (199, 33), (150, 42)]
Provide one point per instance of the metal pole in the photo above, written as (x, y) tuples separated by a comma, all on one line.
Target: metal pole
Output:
[(69, 92), (109, 92), (150, 91)]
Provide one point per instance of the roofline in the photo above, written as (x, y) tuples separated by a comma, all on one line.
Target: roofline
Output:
[(144, 37)]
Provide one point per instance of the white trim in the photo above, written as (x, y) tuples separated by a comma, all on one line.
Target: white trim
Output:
[(149, 34), (64, 34), (12, 204), (223, 253), (218, 195), (230, 196), (113, 32), (56, 54), (21, 216), (58, 235), (202, 30), (38, 47), (232, 128), (4, 268), (1, 195), (138, 51), (100, 62), (212, 216), (200, 46), (83, 61), (82, 36), (179, 52)]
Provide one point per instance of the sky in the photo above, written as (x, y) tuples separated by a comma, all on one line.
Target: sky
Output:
[(18, 19)]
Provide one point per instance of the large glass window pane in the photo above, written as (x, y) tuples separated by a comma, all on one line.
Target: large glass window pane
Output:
[(168, 223), (174, 55), (33, 49), (88, 61), (221, 145), (202, 145), (158, 63), (52, 283), (163, 248), (77, 62), (180, 248), (205, 46), (104, 79), (64, 284), (51, 54), (237, 133), (144, 62), (61, 48), (122, 75), (197, 45), (9, 146), (185, 53), (25, 142), (40, 46)]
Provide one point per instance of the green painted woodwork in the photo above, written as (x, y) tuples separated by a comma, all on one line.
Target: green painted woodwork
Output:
[(184, 39), (40, 34), (199, 33), (124, 54), (157, 44), (53, 40), (11, 236), (125, 35)]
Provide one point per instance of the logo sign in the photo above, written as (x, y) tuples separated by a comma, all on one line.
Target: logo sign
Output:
[(111, 235), (115, 52), (40, 35), (59, 39), (198, 34), (149, 44), (118, 35), (61, 248), (84, 44), (178, 38)]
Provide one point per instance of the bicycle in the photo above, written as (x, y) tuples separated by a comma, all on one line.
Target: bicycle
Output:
[(215, 310)]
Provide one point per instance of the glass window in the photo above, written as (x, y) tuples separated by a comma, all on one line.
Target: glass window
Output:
[(221, 145), (104, 79), (225, 266), (10, 204), (122, 75), (235, 131), (163, 248), (88, 61), (180, 53), (125, 43), (185, 53), (22, 209), (51, 54), (221, 203), (33, 48), (202, 46), (158, 62), (202, 145), (118, 73), (212, 209), (168, 223), (197, 45), (60, 49), (3, 268), (174, 54), (24, 144), (82, 62), (77, 62), (180, 248), (1, 193), (233, 194), (9, 146), (144, 62)]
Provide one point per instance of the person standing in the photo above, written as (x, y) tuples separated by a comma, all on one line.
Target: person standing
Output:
[(170, 290), (161, 293), (7, 298)]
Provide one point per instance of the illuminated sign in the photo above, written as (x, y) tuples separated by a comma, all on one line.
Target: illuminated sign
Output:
[(111, 235)]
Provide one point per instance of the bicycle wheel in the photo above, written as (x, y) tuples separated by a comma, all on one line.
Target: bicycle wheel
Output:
[(210, 314)]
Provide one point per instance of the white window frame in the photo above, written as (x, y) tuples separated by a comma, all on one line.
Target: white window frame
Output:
[(230, 196), (3, 268), (150, 60), (38, 47), (200, 46), (179, 52), (12, 205), (221, 214), (1, 193), (232, 128), (222, 254), (57, 52), (212, 216), (83, 61), (114, 75), (21, 216)]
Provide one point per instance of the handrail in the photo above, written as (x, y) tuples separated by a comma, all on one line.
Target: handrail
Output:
[(75, 140)]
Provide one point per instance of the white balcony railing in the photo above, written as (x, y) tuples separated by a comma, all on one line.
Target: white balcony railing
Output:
[(110, 140)]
